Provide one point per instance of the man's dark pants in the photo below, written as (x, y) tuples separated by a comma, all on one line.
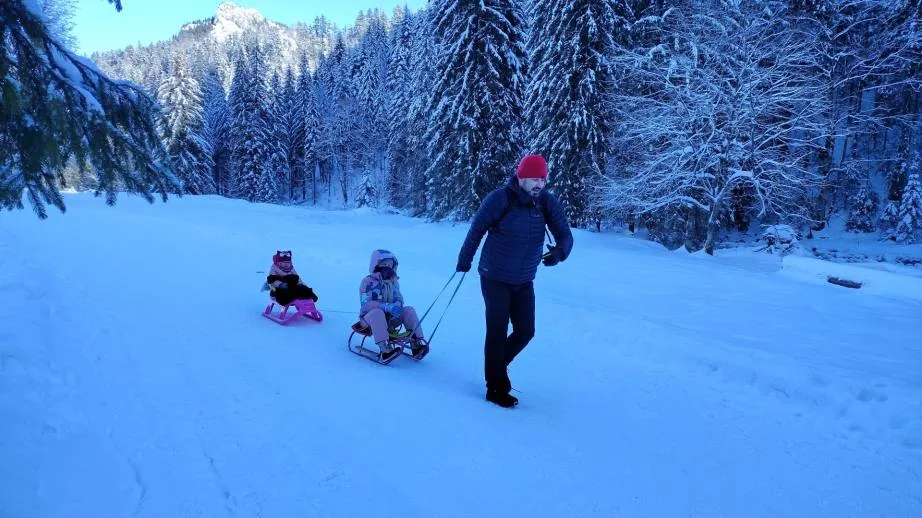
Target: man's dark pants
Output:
[(505, 302)]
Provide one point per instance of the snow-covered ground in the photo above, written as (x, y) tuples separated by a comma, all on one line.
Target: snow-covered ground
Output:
[(836, 244), (137, 377)]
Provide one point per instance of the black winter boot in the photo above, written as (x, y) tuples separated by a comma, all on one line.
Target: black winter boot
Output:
[(387, 352), (419, 349), (502, 399)]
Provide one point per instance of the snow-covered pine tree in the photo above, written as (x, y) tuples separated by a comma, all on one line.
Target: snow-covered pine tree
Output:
[(863, 215), (279, 116), (309, 117), (366, 195), (56, 106), (400, 92), (294, 134), (373, 55), (894, 177), (889, 219), (248, 100), (345, 121), (59, 17), (336, 107), (181, 124), (327, 130), (910, 219), (245, 182), (568, 118), (419, 88), (156, 68), (216, 124), (268, 186), (475, 131)]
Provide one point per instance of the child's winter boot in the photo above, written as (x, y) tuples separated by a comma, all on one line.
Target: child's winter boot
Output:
[(387, 352)]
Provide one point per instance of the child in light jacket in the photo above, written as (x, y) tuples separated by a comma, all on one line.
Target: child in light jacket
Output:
[(382, 306)]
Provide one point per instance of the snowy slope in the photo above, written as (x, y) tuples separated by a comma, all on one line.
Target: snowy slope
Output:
[(137, 378)]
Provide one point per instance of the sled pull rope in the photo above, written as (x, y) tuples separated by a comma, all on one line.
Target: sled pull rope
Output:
[(437, 297), (431, 335)]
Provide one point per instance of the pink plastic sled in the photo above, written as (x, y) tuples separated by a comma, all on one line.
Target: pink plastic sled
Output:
[(303, 308)]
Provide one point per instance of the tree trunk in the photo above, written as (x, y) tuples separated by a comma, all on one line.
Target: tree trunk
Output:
[(713, 229), (383, 194), (314, 183), (344, 179), (691, 228), (332, 171)]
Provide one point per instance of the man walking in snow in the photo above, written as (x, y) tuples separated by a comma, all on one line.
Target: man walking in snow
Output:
[(515, 217)]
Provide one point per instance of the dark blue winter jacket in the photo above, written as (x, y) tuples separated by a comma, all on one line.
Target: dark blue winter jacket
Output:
[(514, 247)]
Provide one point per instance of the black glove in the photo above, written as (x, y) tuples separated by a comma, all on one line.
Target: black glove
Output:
[(553, 256), (466, 267)]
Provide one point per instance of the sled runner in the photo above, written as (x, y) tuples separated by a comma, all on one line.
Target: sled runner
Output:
[(401, 339), (302, 308)]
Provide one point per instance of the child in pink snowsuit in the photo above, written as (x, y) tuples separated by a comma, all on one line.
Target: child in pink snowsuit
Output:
[(382, 305), (284, 283)]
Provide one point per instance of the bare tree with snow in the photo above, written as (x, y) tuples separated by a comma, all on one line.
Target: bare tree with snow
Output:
[(723, 110)]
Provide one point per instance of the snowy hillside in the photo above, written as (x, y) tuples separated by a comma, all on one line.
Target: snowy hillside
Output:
[(137, 377), (232, 20)]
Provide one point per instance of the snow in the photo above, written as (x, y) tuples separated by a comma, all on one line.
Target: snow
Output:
[(865, 251), (137, 377), (783, 233), (63, 63), (34, 7), (231, 19), (877, 282), (66, 69)]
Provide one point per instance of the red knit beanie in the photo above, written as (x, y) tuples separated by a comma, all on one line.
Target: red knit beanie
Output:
[(532, 166)]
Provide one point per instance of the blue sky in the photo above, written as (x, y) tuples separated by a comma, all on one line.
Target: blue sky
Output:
[(98, 26)]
